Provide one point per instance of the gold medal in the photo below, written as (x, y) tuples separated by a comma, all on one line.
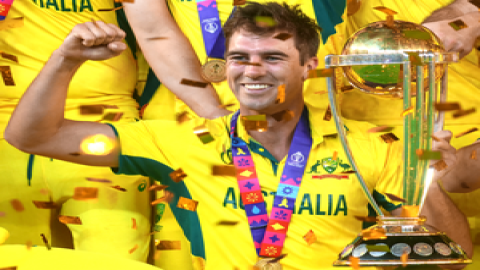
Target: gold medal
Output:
[(266, 264), (214, 71)]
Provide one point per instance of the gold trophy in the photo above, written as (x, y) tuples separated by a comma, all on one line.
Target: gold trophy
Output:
[(398, 59)]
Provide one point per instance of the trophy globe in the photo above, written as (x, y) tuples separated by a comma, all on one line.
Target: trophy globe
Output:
[(398, 59)]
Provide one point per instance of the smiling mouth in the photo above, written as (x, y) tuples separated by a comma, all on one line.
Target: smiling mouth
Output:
[(256, 86)]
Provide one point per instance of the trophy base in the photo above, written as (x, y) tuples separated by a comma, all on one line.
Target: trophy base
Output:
[(405, 242)]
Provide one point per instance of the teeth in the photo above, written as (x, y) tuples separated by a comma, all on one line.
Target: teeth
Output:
[(256, 86)]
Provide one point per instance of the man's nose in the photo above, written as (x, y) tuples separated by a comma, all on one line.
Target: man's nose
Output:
[(255, 68)]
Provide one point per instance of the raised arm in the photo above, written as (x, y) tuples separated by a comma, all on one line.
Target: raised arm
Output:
[(37, 125), (461, 40), (171, 55)]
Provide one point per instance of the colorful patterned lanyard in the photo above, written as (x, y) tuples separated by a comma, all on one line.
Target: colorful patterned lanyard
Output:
[(5, 8), (269, 233)]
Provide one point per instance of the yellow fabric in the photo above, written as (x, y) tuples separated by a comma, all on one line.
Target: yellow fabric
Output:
[(107, 222), (39, 258), (325, 205), (186, 16)]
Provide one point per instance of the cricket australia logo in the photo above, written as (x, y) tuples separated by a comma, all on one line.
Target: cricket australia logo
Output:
[(296, 160), (329, 165)]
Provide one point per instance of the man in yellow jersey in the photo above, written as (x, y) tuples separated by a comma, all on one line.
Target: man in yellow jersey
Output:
[(118, 221), (204, 191)]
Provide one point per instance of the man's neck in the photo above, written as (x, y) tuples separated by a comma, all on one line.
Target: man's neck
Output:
[(278, 137)]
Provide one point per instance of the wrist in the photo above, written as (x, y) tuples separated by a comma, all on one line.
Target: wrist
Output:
[(65, 63)]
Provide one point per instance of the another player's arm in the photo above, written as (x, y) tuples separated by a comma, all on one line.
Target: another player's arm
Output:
[(37, 125), (171, 55), (456, 9)]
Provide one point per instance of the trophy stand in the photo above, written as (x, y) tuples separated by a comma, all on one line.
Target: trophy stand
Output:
[(403, 240)]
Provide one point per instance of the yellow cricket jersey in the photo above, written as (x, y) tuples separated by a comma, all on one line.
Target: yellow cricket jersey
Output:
[(46, 24), (186, 15), (463, 84), (327, 202)]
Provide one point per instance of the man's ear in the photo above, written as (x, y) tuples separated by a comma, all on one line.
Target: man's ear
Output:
[(310, 64)]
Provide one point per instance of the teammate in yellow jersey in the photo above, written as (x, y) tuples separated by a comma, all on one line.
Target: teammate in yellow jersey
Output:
[(119, 220), (156, 148)]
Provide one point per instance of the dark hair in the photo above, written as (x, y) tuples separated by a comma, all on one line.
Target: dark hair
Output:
[(290, 19)]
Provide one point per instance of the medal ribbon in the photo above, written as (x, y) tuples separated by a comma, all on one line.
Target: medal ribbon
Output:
[(213, 37), (269, 232), (5, 8)]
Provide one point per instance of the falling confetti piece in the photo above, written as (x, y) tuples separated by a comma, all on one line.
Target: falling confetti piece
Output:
[(9, 57), (414, 58), (227, 223), (178, 175), (168, 245), (385, 10), (117, 187), (91, 109), (440, 166), (280, 94), (310, 237), (410, 211), (224, 170), (45, 241), (203, 134), (11, 23), (462, 113), (473, 155), (347, 88), (9, 268), (283, 36), (255, 122), (264, 21), (380, 129), (366, 219), (168, 197), (134, 223), (428, 155), (458, 25), (348, 172), (335, 155), (187, 204), (328, 114), (193, 83), (285, 115), (404, 259), (182, 117), (29, 245), (354, 262), (110, 9), (447, 106), (320, 73), (157, 187), (461, 134), (69, 220), (390, 21), (112, 117), (379, 248), (7, 75), (435, 138), (389, 137), (395, 198), (17, 205), (321, 92), (133, 249), (277, 259), (374, 234), (85, 193), (407, 111), (98, 180), (45, 205), (239, 2)]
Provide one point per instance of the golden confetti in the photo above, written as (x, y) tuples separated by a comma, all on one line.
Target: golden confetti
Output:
[(280, 94), (385, 10), (410, 211), (167, 197), (321, 92), (97, 145), (389, 137), (85, 193), (17, 205), (395, 198), (45, 205), (348, 172), (435, 138), (310, 237), (473, 155), (354, 262), (264, 21), (187, 204), (156, 187), (347, 88), (414, 58), (193, 83), (328, 114), (428, 155), (9, 268), (9, 56), (458, 25), (203, 134), (380, 129), (227, 223), (239, 2), (112, 117), (283, 36), (389, 21), (11, 23), (134, 223), (178, 175), (133, 249), (224, 170), (277, 259), (366, 219), (447, 106), (168, 245), (110, 9), (404, 258), (461, 134), (117, 187), (182, 117), (320, 73), (7, 75), (440, 166), (29, 245), (98, 180), (335, 155), (255, 122), (462, 113), (45, 241), (91, 109), (69, 220), (407, 111), (285, 115), (375, 233)]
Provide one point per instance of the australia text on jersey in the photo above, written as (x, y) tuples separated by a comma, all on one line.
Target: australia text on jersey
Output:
[(65, 5)]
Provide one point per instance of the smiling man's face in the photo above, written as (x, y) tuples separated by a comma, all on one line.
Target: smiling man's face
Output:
[(276, 62)]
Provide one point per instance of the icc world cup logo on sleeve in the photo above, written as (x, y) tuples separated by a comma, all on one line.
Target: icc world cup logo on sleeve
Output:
[(296, 160)]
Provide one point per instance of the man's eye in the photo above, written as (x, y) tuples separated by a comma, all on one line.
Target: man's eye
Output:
[(272, 58), (238, 58)]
